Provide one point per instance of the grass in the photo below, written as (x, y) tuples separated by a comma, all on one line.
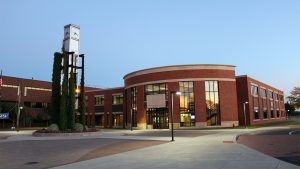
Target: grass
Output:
[(293, 120)]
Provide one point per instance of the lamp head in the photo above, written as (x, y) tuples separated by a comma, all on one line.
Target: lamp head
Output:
[(77, 90)]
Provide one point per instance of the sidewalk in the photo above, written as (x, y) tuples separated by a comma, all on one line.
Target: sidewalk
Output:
[(207, 152)]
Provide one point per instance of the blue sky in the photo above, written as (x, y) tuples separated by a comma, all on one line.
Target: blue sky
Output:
[(262, 38)]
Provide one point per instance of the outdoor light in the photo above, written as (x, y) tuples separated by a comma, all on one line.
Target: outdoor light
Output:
[(172, 110), (245, 117), (77, 90)]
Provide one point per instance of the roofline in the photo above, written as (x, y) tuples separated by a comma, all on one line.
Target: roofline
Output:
[(113, 88), (179, 67), (26, 78), (247, 76)]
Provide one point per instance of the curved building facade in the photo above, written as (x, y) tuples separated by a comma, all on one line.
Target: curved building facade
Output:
[(208, 96)]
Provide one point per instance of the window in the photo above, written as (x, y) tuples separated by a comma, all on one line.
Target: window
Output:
[(99, 100), (212, 103), (278, 114), (133, 106), (117, 99), (272, 113), (270, 94), (158, 117), (265, 113), (256, 113), (254, 90), (275, 96), (187, 104), (263, 93), (117, 120), (158, 88)]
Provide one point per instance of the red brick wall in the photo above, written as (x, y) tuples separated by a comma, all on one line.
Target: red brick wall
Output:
[(228, 101), (244, 94), (141, 112), (174, 86), (200, 106), (107, 104)]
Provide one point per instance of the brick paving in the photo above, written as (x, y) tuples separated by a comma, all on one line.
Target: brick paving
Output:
[(282, 146)]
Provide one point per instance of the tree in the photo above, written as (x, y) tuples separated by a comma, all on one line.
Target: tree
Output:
[(81, 99), (71, 102), (56, 87), (63, 104), (295, 97), (289, 108)]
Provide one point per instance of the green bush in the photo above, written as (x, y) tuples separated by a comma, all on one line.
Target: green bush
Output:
[(53, 127), (78, 127)]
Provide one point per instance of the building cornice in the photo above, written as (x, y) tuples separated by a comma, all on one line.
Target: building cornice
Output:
[(179, 67)]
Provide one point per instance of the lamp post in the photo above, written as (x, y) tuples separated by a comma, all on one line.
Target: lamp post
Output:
[(245, 117), (18, 117), (19, 106), (172, 110)]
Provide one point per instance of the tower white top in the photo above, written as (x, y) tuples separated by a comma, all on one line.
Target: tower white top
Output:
[(71, 38)]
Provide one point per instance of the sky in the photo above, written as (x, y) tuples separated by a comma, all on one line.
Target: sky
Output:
[(261, 38)]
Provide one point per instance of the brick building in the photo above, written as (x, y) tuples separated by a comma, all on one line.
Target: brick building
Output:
[(34, 97), (265, 103), (211, 95)]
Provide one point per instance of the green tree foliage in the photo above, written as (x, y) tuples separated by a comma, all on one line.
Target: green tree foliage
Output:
[(71, 102), (82, 104), (63, 104), (295, 97), (289, 108), (56, 87)]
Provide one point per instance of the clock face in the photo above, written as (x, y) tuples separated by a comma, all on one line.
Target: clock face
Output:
[(75, 34), (67, 33)]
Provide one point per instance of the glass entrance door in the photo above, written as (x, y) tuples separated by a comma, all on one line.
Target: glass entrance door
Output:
[(158, 118)]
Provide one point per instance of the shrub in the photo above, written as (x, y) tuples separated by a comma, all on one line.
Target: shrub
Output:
[(53, 127), (78, 127)]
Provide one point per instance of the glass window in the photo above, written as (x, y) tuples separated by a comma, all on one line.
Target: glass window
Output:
[(272, 113), (117, 99), (133, 106), (254, 90), (187, 104), (275, 96), (158, 88), (256, 113), (117, 120), (270, 94), (265, 113), (99, 100), (263, 93), (158, 117), (213, 115), (278, 113)]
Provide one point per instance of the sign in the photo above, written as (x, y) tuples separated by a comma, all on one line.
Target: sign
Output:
[(4, 115), (156, 101)]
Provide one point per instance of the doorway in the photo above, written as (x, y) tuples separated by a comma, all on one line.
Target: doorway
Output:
[(158, 117)]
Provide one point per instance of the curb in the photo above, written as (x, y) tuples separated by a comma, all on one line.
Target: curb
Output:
[(65, 134)]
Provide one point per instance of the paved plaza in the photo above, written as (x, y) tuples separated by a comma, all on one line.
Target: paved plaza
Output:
[(207, 149)]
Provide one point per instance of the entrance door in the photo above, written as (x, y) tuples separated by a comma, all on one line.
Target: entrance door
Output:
[(158, 118)]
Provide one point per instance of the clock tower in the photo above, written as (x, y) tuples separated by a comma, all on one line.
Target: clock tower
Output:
[(71, 42)]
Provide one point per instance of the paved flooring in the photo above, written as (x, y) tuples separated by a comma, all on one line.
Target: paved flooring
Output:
[(213, 149), (281, 143)]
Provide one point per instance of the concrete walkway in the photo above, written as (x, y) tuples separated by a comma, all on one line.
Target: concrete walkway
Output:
[(215, 151)]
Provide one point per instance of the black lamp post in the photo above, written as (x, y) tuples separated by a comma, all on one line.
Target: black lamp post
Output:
[(172, 110)]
